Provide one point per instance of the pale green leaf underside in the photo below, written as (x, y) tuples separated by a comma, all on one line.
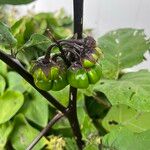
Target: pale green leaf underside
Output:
[(124, 116), (133, 90), (122, 48)]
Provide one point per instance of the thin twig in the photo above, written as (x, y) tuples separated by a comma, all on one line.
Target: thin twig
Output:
[(59, 46), (45, 130), (13, 63), (47, 55)]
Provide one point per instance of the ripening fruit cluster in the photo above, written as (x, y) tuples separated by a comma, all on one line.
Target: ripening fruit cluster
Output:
[(54, 74)]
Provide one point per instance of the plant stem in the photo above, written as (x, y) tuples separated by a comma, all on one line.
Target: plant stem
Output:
[(72, 112), (14, 63), (78, 18), (45, 130), (72, 117)]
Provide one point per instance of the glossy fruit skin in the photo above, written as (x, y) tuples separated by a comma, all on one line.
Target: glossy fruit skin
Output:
[(41, 81), (54, 72), (86, 63), (55, 78), (90, 59), (78, 78), (94, 74), (60, 83)]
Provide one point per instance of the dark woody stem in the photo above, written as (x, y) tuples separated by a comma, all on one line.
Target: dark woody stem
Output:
[(59, 46), (45, 130), (72, 45), (72, 107), (48, 52), (76, 41)]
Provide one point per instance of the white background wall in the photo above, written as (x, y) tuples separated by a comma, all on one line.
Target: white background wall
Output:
[(104, 15)]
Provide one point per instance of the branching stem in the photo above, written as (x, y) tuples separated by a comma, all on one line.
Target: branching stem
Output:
[(45, 130), (13, 63)]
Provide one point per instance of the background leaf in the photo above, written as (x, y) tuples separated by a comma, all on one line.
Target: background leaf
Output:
[(132, 89), (123, 139), (15, 2), (35, 108), (3, 68), (10, 103), (124, 116), (18, 30), (2, 85), (38, 40), (16, 82), (122, 48), (5, 130), (6, 37), (23, 134)]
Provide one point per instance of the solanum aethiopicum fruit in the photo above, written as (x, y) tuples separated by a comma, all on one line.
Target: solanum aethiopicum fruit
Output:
[(90, 56), (49, 75), (41, 81), (89, 59), (54, 72), (77, 77), (94, 74), (60, 82)]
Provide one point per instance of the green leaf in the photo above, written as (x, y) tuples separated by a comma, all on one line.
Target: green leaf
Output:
[(63, 19), (87, 128), (6, 37), (132, 89), (124, 116), (2, 85), (49, 17), (38, 40), (122, 48), (10, 103), (18, 30), (35, 108), (3, 68), (5, 130), (123, 139), (16, 82), (23, 134), (70, 144), (93, 144), (61, 32), (16, 2), (62, 95)]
